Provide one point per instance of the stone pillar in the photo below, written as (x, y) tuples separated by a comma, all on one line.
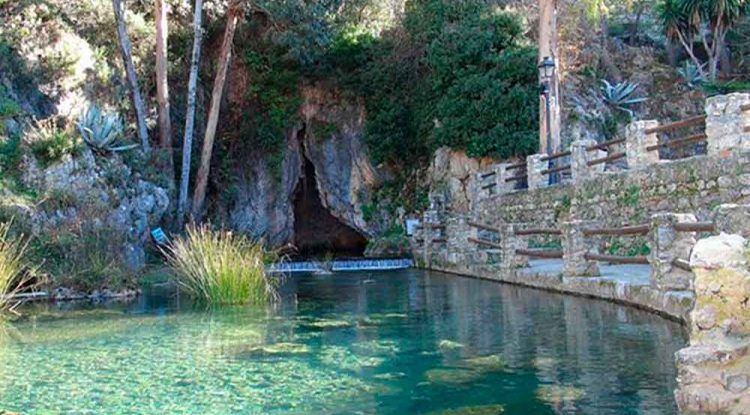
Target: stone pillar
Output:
[(668, 245), (637, 142), (575, 247), (580, 157), (503, 174), (510, 243), (712, 372), (733, 219), (725, 124), (534, 169)]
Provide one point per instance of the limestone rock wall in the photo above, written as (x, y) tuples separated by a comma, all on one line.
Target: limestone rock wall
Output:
[(714, 371)]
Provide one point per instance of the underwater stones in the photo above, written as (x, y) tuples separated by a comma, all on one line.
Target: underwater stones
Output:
[(275, 349), (343, 358), (452, 376), (326, 324), (390, 376), (473, 410), (489, 363), (449, 345), (376, 347), (559, 394)]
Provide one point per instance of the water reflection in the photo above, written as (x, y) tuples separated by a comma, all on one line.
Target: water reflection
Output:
[(405, 342)]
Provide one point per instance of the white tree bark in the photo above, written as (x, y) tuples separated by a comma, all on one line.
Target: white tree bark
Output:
[(127, 58), (199, 195), (187, 142)]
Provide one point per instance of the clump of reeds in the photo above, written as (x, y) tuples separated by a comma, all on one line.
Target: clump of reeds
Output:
[(217, 267), (12, 269)]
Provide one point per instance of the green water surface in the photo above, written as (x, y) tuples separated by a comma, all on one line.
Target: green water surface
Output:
[(407, 342)]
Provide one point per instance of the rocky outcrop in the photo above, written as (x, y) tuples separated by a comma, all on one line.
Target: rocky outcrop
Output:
[(330, 136), (714, 371), (451, 177), (97, 192)]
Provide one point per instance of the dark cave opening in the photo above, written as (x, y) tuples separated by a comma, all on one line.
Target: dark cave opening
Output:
[(317, 233)]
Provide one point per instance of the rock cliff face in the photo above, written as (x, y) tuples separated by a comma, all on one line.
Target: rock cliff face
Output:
[(451, 176), (329, 138)]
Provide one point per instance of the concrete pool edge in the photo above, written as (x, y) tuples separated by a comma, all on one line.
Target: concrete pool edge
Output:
[(673, 305)]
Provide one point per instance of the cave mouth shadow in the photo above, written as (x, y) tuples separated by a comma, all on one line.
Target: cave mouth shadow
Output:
[(317, 233)]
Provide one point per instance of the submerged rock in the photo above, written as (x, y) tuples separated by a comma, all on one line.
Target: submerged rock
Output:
[(449, 345), (557, 394), (326, 324), (390, 376), (489, 363), (472, 410), (452, 376), (277, 349)]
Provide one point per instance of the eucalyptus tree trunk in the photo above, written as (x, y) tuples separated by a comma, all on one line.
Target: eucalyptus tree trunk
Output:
[(187, 142), (162, 83), (127, 58), (199, 195)]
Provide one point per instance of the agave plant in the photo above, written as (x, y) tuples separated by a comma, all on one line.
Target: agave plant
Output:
[(102, 131), (692, 74), (619, 95)]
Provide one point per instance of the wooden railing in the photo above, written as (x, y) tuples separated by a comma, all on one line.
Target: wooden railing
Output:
[(699, 120)]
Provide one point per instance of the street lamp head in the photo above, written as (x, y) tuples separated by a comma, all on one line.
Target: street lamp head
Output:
[(547, 67)]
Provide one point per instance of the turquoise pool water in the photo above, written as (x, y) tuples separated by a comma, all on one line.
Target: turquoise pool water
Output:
[(407, 342)]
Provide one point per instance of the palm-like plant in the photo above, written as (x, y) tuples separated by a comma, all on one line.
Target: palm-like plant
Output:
[(692, 74), (102, 131), (619, 95)]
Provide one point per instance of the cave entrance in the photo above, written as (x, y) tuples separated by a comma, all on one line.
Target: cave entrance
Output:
[(317, 233)]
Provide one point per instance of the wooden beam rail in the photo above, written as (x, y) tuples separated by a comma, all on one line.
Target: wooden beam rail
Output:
[(616, 259), (626, 230), (540, 253), (516, 178), (682, 264), (555, 170), (487, 175), (688, 122), (540, 231), (556, 155), (604, 145), (489, 186), (613, 157), (485, 243), (516, 166), (679, 142), (439, 241), (695, 227), (483, 227)]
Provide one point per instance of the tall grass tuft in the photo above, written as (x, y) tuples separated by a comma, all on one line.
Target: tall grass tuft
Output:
[(221, 268), (12, 269)]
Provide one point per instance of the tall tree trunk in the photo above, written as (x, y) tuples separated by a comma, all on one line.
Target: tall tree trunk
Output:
[(199, 195), (549, 131), (187, 142), (162, 84), (127, 58)]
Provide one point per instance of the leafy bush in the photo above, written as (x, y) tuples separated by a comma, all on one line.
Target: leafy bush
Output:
[(221, 268), (620, 94), (12, 267), (102, 131), (49, 142)]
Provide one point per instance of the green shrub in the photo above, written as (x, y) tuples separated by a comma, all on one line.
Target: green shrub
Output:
[(12, 267), (49, 143), (221, 268), (102, 131)]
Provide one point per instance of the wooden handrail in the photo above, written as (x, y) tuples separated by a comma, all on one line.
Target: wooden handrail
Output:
[(516, 166), (556, 155), (617, 259), (516, 178), (485, 243), (626, 230), (688, 122), (605, 144), (555, 170), (613, 157), (486, 175), (489, 186), (439, 241), (540, 231), (682, 264), (694, 227), (483, 227), (679, 142), (539, 253)]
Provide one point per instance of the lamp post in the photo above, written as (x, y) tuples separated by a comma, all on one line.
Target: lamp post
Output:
[(547, 72)]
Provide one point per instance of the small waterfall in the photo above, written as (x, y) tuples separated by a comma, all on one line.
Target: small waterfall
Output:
[(342, 266)]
